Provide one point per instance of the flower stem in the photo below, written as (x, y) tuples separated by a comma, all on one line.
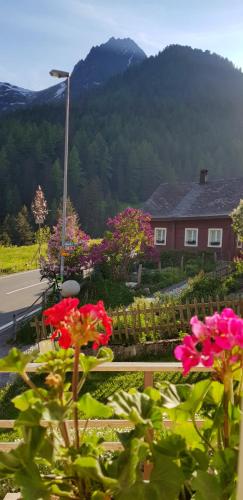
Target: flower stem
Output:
[(202, 437), (29, 382), (64, 432), (75, 393), (227, 398)]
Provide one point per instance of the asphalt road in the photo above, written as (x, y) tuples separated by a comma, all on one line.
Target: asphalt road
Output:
[(18, 292)]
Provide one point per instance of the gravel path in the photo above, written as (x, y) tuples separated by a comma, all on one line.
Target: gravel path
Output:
[(175, 289)]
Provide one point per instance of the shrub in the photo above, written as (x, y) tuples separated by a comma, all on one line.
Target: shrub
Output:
[(173, 258), (202, 286), (232, 283), (157, 280), (113, 293), (129, 239)]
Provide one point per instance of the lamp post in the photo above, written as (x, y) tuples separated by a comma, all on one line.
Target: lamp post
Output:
[(64, 74)]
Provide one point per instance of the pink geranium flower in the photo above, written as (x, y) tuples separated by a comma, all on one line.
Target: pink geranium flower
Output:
[(219, 334), (187, 353)]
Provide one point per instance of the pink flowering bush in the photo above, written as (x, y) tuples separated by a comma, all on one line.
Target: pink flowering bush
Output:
[(129, 239), (77, 259)]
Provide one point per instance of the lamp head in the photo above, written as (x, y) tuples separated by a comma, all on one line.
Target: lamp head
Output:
[(57, 73)]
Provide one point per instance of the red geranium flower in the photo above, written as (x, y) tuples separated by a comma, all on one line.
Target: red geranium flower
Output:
[(56, 314), (73, 326)]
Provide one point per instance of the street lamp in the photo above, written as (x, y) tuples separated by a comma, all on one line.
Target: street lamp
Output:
[(64, 74)]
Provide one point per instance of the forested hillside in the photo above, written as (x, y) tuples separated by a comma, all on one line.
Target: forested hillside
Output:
[(162, 120)]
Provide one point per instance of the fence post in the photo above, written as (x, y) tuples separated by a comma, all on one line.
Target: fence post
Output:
[(182, 262), (43, 300), (148, 379), (147, 469)]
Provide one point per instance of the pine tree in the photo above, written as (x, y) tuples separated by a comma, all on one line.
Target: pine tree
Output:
[(56, 179), (75, 174), (24, 231)]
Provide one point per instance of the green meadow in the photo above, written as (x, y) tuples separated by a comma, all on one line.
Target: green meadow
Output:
[(15, 259)]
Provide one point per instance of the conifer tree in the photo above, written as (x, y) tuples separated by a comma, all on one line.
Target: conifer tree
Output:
[(23, 227)]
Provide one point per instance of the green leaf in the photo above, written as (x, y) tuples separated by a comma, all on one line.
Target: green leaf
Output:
[(61, 354), (9, 464), (89, 468), (153, 393), (88, 363), (99, 495), (166, 476), (28, 399), (171, 445), (197, 395), (15, 361), (30, 417), (201, 458), (215, 393), (129, 461), (54, 411), (105, 355), (187, 431), (139, 491), (31, 485), (60, 361), (137, 407), (93, 408), (207, 486)]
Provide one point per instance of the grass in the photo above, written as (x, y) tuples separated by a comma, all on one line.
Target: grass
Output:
[(15, 259)]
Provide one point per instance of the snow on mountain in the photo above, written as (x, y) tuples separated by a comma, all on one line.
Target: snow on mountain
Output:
[(102, 62)]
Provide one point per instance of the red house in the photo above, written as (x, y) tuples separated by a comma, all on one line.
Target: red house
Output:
[(196, 216)]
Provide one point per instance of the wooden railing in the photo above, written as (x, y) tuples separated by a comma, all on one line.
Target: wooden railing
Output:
[(147, 368)]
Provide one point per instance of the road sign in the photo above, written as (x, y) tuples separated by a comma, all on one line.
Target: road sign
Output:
[(69, 247)]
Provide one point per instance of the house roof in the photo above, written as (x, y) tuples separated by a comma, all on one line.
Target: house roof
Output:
[(191, 199)]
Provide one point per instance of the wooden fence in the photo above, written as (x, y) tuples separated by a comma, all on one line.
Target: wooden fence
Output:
[(161, 321), (153, 321)]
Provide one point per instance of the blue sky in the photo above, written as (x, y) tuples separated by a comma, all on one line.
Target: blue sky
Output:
[(37, 35)]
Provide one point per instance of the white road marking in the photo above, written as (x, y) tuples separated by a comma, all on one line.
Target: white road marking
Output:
[(14, 275), (25, 287), (21, 317)]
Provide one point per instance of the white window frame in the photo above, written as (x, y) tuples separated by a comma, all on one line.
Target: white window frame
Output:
[(155, 238), (221, 237), (186, 244)]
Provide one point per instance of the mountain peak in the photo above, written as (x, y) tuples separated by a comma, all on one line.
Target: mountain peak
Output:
[(104, 61), (123, 45)]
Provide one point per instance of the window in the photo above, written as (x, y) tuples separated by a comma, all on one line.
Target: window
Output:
[(191, 237), (160, 234), (215, 237)]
